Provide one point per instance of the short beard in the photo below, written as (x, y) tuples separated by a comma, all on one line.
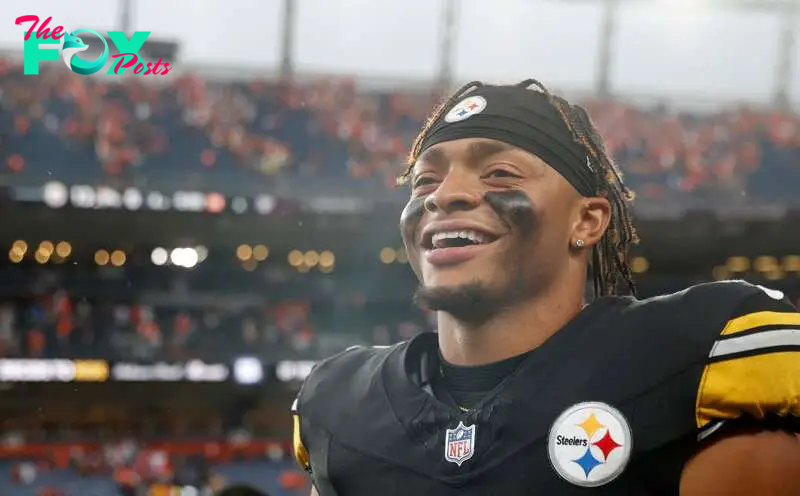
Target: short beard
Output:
[(473, 303)]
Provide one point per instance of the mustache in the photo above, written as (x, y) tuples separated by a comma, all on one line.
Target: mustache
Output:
[(514, 207)]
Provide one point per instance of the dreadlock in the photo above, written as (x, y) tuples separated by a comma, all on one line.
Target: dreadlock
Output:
[(610, 257)]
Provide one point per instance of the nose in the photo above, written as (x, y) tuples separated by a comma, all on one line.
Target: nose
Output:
[(455, 192)]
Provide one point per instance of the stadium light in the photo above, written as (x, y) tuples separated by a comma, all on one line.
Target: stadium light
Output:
[(184, 257), (118, 258), (738, 264), (260, 252), (765, 264), (388, 255), (248, 370), (159, 256), (244, 252), (15, 255), (327, 259), (239, 205), (190, 258), (101, 257), (46, 247), (20, 246), (215, 203), (176, 257), (295, 258), (791, 263), (42, 256), (55, 194), (17, 251), (63, 249), (640, 265), (311, 258)]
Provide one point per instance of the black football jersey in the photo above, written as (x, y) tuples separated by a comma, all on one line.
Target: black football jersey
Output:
[(613, 404)]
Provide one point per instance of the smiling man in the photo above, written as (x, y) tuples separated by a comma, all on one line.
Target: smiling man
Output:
[(526, 388)]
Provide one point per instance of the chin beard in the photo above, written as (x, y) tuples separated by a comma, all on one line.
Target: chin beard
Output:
[(473, 303)]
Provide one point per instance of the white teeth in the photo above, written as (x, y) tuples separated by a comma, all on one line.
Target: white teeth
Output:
[(473, 236)]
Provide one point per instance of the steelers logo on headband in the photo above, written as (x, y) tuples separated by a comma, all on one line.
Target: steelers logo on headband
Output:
[(466, 108)]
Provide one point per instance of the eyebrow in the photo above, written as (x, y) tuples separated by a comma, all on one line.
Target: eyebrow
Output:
[(475, 152)]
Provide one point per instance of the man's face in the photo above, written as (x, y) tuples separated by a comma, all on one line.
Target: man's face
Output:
[(476, 253)]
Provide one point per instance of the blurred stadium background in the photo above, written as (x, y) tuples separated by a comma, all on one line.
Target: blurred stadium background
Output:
[(178, 250)]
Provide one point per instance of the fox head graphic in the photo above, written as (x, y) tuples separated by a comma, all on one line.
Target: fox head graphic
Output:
[(72, 45)]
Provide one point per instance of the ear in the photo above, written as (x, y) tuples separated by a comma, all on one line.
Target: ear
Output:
[(594, 216)]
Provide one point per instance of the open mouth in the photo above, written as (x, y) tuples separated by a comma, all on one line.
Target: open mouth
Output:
[(456, 239)]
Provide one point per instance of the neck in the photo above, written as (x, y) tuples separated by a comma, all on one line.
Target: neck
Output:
[(514, 331)]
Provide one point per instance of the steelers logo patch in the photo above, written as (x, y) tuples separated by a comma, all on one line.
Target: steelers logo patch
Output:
[(590, 444), (466, 108)]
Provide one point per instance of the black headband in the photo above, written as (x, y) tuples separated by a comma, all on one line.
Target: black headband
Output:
[(519, 117)]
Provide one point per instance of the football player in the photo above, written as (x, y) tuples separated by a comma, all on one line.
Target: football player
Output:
[(526, 388)]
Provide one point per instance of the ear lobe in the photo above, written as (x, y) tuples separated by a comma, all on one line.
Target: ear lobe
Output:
[(595, 216)]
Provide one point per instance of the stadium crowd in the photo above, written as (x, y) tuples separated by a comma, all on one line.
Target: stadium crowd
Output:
[(55, 312), (130, 467), (146, 313), (64, 125)]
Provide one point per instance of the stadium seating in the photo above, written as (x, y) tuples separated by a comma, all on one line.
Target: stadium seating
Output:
[(62, 125), (261, 474)]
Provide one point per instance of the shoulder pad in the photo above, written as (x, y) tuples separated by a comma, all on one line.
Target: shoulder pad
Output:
[(753, 364), (702, 310), (714, 295), (330, 377), (341, 381), (735, 289)]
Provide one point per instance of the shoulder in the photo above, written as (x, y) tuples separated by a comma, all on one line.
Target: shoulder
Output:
[(703, 311), (348, 371), (739, 344), (341, 388), (333, 393), (713, 297), (752, 366), (712, 355), (685, 324)]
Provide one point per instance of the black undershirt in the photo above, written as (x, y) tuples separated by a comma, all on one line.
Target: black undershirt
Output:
[(465, 386)]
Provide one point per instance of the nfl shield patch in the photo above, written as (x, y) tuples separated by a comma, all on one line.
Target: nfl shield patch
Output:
[(459, 444)]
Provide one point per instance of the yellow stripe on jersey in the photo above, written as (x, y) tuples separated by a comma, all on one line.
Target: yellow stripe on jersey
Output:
[(300, 452), (760, 319), (750, 382)]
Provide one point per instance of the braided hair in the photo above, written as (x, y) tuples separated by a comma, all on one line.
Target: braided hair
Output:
[(609, 265)]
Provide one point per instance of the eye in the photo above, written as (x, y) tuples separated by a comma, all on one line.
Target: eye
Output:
[(502, 174), (423, 181)]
